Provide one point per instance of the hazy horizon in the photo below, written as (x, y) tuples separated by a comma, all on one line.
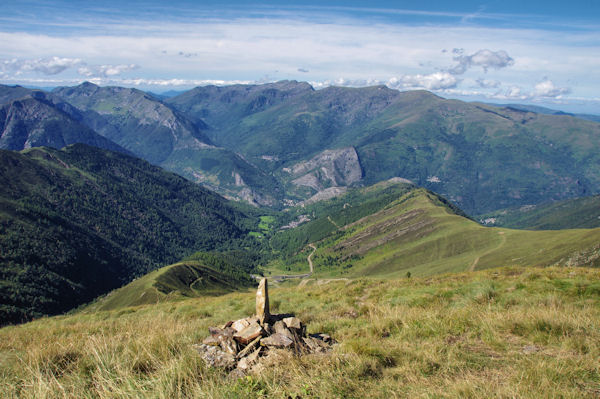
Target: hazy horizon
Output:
[(498, 52)]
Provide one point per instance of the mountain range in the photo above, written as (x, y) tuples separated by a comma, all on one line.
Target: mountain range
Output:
[(279, 144)]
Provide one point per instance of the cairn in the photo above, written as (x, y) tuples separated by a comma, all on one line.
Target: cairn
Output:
[(239, 345)]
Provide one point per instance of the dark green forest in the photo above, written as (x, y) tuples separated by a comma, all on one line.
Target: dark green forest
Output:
[(78, 222)]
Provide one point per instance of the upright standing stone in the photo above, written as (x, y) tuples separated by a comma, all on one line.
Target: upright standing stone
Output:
[(262, 301)]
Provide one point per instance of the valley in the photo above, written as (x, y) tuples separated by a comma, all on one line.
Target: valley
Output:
[(354, 203)]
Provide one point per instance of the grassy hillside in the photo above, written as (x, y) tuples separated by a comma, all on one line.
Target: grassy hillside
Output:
[(201, 274), (80, 222), (509, 332), (420, 234), (570, 214)]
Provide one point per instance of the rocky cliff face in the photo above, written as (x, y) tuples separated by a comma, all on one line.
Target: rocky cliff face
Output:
[(330, 168)]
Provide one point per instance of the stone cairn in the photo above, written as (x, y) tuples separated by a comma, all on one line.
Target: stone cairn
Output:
[(239, 345)]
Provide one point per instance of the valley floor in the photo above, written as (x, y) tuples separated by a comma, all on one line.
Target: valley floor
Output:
[(509, 332)]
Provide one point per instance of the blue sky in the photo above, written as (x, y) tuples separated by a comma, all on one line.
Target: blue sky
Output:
[(540, 52)]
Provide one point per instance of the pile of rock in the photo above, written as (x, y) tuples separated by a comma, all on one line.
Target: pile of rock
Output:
[(239, 345)]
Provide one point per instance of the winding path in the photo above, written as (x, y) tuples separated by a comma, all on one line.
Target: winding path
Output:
[(309, 258), (502, 242), (303, 276)]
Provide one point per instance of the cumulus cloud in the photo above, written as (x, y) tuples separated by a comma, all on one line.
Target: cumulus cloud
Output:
[(55, 65), (515, 93), (488, 84), (546, 88), (105, 70), (433, 81), (484, 58), (46, 66)]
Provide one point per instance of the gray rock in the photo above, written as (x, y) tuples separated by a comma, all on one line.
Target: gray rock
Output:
[(213, 356), (247, 362), (280, 328), (228, 344), (293, 323), (277, 341)]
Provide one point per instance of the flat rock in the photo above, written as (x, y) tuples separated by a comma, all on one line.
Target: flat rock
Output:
[(293, 322), (213, 356), (281, 328), (239, 325), (249, 333), (277, 341)]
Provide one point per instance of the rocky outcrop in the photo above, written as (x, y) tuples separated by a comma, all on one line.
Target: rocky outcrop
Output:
[(329, 168), (326, 194), (239, 345)]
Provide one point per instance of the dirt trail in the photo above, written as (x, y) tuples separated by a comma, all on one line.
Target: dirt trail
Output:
[(302, 276), (502, 242), (309, 258), (333, 223)]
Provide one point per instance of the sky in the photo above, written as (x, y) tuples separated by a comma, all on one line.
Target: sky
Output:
[(545, 53)]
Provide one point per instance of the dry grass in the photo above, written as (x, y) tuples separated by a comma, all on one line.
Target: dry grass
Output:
[(511, 332)]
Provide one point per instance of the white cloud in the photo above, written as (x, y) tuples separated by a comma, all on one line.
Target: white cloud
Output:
[(433, 81), (488, 84), (483, 58), (546, 88), (514, 93), (105, 70), (47, 66)]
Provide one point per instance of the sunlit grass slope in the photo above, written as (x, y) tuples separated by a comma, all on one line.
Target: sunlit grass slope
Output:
[(419, 234), (581, 212), (508, 332), (169, 283)]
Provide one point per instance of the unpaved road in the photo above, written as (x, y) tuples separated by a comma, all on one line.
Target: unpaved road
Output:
[(294, 276)]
